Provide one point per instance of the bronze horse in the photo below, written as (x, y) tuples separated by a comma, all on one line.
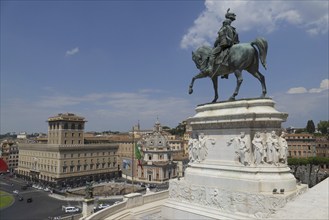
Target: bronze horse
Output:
[(242, 56)]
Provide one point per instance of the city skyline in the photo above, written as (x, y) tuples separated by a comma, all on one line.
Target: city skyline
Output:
[(119, 62)]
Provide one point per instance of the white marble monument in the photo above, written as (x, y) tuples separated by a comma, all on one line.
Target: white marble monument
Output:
[(238, 164)]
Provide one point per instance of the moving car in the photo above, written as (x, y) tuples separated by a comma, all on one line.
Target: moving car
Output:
[(20, 198), (29, 200), (15, 192)]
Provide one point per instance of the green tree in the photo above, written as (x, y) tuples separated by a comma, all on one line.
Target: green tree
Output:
[(323, 127), (179, 130), (310, 127)]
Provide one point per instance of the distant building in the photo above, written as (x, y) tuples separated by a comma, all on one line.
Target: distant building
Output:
[(322, 146), (10, 154), (158, 165), (301, 145), (3, 166), (65, 160)]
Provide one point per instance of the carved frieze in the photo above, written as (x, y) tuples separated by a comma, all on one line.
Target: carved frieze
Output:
[(257, 205), (264, 149)]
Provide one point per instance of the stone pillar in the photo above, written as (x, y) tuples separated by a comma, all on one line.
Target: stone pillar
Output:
[(87, 207)]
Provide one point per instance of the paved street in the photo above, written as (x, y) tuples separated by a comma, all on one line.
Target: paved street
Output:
[(40, 208)]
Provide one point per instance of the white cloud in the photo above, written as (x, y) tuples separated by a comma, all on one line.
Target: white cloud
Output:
[(303, 107), (324, 85), (261, 16), (119, 109), (297, 90), (72, 51)]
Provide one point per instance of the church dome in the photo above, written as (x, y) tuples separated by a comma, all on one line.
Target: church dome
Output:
[(156, 140)]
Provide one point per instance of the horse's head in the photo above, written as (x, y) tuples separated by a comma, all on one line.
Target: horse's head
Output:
[(201, 57)]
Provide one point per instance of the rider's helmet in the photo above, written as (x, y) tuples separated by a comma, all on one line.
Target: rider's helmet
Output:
[(229, 15)]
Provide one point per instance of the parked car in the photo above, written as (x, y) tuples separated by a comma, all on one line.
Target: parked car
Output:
[(29, 200), (103, 206), (24, 187), (71, 209)]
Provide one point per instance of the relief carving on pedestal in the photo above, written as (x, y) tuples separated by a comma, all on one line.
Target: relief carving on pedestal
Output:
[(198, 149), (258, 205), (265, 149), (241, 149)]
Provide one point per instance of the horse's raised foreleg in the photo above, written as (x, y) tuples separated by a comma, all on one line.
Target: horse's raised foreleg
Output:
[(239, 79), (215, 84), (198, 76)]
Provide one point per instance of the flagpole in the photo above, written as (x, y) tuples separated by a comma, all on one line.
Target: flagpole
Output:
[(132, 159)]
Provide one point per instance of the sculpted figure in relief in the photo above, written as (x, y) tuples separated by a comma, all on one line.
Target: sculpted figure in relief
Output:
[(272, 149), (193, 149), (244, 150), (241, 149), (198, 150), (258, 149), (202, 148), (283, 152), (232, 141)]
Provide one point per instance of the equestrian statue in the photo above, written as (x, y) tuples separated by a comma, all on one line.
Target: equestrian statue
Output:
[(229, 56)]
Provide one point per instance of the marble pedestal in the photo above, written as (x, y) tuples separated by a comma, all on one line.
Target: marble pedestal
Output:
[(88, 207), (238, 164)]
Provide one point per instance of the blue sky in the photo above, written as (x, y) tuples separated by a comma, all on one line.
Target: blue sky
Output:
[(120, 62)]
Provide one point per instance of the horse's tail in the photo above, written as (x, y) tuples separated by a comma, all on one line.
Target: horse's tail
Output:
[(261, 44)]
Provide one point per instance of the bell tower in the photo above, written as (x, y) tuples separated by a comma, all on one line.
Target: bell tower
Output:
[(66, 129)]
